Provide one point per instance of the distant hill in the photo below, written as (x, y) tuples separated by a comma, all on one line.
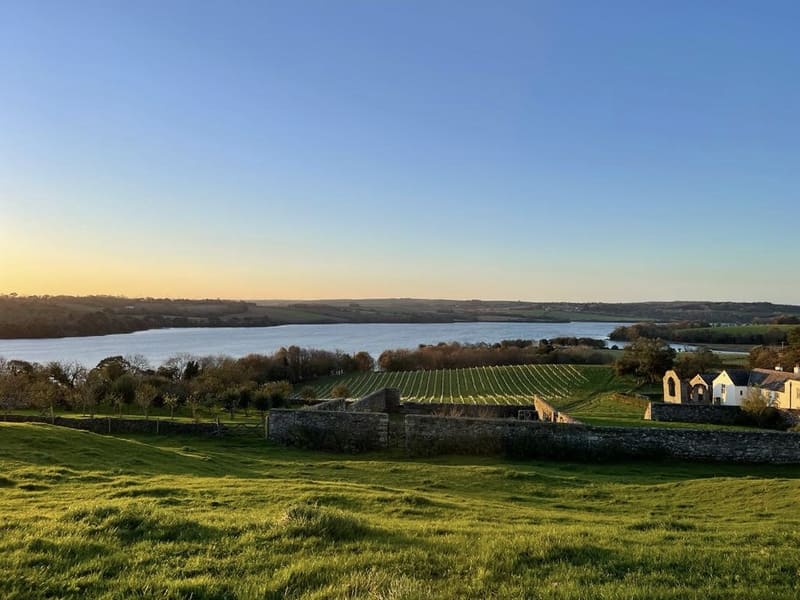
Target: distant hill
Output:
[(66, 316)]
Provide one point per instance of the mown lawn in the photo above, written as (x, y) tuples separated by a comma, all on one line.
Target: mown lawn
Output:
[(83, 515)]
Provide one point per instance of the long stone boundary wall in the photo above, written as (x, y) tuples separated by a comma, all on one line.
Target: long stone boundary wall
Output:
[(336, 431), (715, 414), (547, 412), (428, 436), (109, 425)]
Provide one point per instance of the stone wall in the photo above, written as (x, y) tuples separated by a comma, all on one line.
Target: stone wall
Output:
[(385, 400), (488, 411), (548, 412), (715, 414), (429, 435), (335, 404), (336, 431), (115, 425)]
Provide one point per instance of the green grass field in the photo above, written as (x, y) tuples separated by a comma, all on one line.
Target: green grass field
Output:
[(87, 516)]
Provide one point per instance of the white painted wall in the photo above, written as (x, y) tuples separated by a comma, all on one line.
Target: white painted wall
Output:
[(733, 395)]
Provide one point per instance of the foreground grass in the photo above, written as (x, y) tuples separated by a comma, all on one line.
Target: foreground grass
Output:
[(92, 516)]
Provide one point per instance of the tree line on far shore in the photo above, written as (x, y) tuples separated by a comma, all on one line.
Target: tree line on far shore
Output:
[(454, 355), (697, 332)]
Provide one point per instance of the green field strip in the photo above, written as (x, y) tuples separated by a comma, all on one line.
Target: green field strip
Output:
[(552, 378), (503, 391), (515, 384), (519, 384), (523, 385), (537, 381), (413, 384)]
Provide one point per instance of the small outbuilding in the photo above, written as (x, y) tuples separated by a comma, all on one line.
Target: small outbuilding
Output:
[(701, 388)]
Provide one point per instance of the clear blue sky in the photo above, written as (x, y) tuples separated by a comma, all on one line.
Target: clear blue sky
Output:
[(516, 150)]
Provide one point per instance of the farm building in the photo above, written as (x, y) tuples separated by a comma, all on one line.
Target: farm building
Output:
[(730, 387), (696, 390)]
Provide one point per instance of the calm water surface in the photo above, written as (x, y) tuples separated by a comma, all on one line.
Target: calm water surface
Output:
[(159, 344)]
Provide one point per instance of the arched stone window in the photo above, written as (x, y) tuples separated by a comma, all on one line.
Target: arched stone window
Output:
[(671, 386)]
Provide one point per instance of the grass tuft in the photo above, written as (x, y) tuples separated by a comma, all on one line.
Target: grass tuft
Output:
[(328, 524), (662, 524)]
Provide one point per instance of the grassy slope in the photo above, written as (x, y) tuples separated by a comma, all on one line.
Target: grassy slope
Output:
[(91, 516)]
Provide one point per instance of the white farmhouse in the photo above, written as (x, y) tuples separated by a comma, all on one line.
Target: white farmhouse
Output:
[(730, 387)]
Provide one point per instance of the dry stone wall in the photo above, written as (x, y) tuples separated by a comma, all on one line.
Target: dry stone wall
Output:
[(429, 435), (110, 425), (337, 431), (715, 414)]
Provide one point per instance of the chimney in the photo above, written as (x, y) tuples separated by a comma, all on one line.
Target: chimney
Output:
[(778, 368), (797, 369)]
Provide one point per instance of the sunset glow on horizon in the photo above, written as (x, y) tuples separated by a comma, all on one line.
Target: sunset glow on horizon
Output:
[(361, 150)]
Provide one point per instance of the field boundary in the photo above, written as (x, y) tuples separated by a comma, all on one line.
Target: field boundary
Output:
[(111, 425), (535, 431)]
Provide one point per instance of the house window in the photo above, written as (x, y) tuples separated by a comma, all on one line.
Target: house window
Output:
[(722, 389), (741, 392)]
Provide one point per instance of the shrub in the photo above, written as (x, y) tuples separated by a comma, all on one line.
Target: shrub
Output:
[(308, 392), (340, 391), (757, 412)]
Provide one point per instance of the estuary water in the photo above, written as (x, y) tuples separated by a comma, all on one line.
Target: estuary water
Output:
[(159, 344)]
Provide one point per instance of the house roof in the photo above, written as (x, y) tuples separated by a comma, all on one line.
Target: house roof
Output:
[(767, 379), (708, 378), (739, 377)]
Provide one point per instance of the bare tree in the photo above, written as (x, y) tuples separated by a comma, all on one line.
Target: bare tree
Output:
[(145, 394)]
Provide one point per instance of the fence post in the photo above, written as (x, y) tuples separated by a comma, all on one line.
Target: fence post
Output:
[(109, 424), (157, 420)]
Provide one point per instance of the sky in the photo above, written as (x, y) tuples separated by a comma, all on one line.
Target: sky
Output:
[(536, 150)]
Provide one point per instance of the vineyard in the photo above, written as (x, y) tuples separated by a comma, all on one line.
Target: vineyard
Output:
[(515, 384)]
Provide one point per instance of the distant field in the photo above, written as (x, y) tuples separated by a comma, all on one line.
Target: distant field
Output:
[(736, 329), (484, 385), (90, 516)]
